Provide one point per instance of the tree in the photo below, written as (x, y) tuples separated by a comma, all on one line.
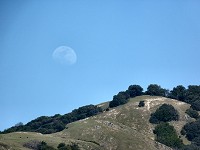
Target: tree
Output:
[(119, 99), (196, 141), (191, 147), (166, 134), (192, 113), (156, 90), (193, 94), (135, 90), (196, 105), (164, 113), (192, 130), (178, 93), (56, 123)]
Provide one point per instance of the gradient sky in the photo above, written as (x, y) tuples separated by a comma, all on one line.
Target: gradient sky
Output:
[(117, 43)]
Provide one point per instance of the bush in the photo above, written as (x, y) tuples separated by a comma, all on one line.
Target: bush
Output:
[(61, 145), (192, 113), (141, 104), (164, 113), (73, 146), (166, 134), (43, 146)]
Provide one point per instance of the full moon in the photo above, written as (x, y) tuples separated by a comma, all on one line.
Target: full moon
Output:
[(64, 55)]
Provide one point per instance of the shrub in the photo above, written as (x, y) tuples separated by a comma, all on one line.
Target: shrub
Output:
[(141, 104), (61, 145), (43, 146), (73, 146)]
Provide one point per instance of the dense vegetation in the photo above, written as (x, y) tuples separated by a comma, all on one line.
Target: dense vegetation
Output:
[(167, 135), (190, 95), (164, 113), (57, 122)]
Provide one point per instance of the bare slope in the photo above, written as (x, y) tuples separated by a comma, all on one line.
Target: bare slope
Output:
[(123, 127)]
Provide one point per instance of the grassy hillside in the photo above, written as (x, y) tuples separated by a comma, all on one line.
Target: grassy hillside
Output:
[(123, 127)]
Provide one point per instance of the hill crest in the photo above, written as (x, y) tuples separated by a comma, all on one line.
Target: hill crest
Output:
[(124, 127)]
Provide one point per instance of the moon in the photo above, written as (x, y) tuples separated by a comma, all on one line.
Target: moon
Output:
[(64, 55)]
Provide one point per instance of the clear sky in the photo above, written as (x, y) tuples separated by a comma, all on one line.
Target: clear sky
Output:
[(115, 43)]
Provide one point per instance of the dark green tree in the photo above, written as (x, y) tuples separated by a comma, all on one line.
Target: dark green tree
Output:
[(156, 90), (192, 113), (135, 90), (178, 93), (164, 113), (167, 135), (192, 130), (190, 147), (193, 94), (119, 99), (196, 105)]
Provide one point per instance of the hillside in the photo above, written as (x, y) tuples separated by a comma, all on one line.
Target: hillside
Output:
[(123, 127)]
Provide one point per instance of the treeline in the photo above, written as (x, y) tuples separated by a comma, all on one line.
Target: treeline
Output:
[(189, 95), (56, 123)]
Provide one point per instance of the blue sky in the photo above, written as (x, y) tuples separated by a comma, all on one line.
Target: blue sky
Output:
[(117, 43)]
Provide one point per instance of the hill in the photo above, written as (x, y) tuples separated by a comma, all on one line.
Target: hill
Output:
[(124, 127)]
